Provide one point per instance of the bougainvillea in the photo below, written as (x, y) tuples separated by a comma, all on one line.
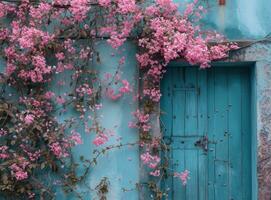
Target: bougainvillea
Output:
[(39, 41)]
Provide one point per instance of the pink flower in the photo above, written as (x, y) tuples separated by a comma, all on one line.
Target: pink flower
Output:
[(29, 118), (155, 173), (100, 139), (149, 160), (183, 176), (60, 100), (3, 153), (111, 94), (49, 95), (18, 170), (10, 69), (60, 56), (21, 175), (126, 87), (153, 93), (76, 137), (37, 13), (5, 8), (104, 3), (79, 9), (57, 150), (84, 89)]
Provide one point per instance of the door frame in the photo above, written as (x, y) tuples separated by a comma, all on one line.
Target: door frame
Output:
[(256, 56), (254, 143)]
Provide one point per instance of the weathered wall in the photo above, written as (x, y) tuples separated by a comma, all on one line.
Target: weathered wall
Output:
[(237, 19), (120, 166)]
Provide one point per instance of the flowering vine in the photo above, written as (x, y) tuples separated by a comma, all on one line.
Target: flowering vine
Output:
[(41, 41)]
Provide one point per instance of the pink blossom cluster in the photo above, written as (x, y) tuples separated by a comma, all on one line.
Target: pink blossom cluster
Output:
[(154, 94), (6, 8), (100, 139), (126, 6), (29, 119), (38, 107), (24, 55), (183, 176), (40, 12), (125, 88), (31, 38), (3, 34), (152, 162), (49, 95), (3, 152), (84, 89), (79, 9), (75, 138), (18, 169), (32, 155), (170, 36), (120, 30), (58, 150), (143, 121)]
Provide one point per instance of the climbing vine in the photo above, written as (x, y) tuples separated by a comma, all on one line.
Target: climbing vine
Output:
[(40, 40)]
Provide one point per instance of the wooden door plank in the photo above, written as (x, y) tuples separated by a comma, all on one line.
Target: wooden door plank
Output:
[(202, 102), (202, 176), (191, 128), (202, 130), (178, 109), (211, 133), (235, 140), (178, 77), (221, 136), (191, 107), (191, 163)]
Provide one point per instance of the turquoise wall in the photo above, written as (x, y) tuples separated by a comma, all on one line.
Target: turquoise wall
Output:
[(120, 166), (237, 19)]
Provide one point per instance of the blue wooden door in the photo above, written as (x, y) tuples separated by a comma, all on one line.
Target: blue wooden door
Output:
[(206, 123)]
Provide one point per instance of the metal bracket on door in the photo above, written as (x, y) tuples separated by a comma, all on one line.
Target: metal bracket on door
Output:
[(202, 143)]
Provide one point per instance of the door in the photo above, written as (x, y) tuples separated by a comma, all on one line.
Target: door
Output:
[(205, 116)]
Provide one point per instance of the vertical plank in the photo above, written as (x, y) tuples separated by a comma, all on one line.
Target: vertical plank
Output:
[(211, 133), (178, 109), (191, 113), (246, 136), (202, 175), (191, 163), (202, 130), (235, 150), (178, 102), (178, 77), (191, 107), (202, 102), (221, 134)]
